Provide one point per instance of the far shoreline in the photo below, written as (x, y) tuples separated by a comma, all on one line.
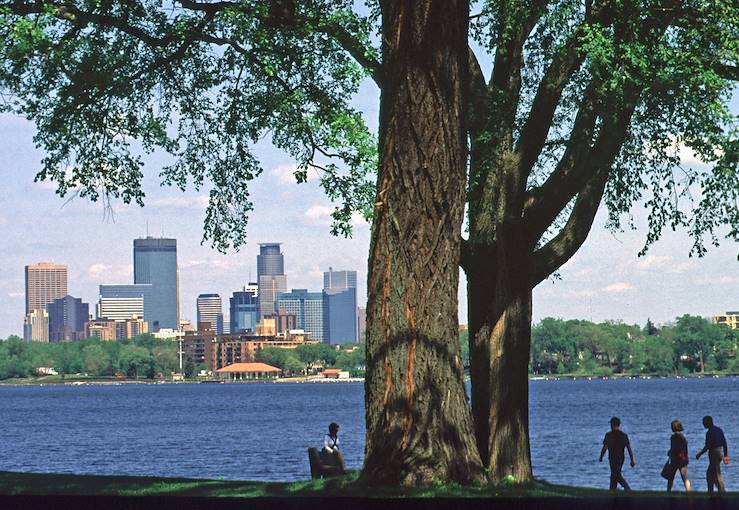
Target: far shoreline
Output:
[(83, 381)]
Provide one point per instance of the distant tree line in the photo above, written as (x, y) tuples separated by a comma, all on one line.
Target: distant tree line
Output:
[(143, 356), (690, 344), (147, 357), (309, 358)]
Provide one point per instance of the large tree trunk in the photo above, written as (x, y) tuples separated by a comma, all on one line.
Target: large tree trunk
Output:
[(419, 424), (498, 286)]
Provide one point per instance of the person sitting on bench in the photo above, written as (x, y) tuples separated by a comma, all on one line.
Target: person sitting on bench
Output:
[(331, 454)]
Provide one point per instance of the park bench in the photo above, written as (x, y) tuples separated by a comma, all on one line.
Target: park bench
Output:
[(317, 467)]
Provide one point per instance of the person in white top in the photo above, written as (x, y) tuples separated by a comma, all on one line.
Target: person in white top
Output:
[(331, 453)]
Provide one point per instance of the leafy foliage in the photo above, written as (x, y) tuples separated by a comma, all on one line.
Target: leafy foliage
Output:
[(105, 81), (143, 356), (690, 344)]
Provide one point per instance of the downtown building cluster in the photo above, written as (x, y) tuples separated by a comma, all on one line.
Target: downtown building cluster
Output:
[(152, 304)]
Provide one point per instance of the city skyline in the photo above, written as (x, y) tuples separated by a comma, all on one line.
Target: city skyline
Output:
[(604, 280), (123, 301)]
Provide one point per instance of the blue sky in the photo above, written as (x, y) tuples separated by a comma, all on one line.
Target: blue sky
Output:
[(605, 279)]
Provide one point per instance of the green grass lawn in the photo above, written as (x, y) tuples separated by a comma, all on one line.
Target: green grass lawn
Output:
[(348, 485)]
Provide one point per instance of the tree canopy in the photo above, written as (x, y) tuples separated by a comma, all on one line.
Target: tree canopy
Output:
[(587, 102), (204, 81)]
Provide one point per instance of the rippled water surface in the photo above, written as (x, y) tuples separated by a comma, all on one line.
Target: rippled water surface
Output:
[(261, 431)]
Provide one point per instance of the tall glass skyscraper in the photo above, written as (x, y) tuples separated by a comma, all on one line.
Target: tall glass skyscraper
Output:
[(155, 262), (270, 277), (244, 310), (308, 310), (339, 306)]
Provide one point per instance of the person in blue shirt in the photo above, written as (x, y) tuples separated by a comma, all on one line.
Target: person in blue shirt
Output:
[(717, 449)]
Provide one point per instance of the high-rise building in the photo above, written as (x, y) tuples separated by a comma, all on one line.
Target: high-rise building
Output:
[(130, 291), (307, 307), (45, 282), (339, 306), (270, 277), (155, 263), (120, 308), (210, 309), (270, 260), (226, 319), (244, 310), (339, 280), (36, 326), (361, 323), (67, 317)]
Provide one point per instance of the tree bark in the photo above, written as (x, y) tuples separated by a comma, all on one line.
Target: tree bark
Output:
[(419, 424), (500, 341)]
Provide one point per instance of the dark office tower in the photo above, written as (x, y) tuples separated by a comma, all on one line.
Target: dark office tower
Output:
[(339, 306), (155, 262), (244, 310), (67, 317), (270, 277), (210, 310), (270, 260)]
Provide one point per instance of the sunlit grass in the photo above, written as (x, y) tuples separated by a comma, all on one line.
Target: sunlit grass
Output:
[(348, 485)]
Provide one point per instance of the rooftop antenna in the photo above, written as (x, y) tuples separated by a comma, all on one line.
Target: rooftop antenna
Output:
[(147, 228)]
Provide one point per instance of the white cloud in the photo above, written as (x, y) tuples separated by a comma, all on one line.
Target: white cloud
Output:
[(180, 202), (652, 262), (225, 264), (111, 273), (285, 174), (618, 287), (15, 294), (320, 215), (663, 264)]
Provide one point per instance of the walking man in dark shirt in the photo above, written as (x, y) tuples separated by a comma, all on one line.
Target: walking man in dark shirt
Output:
[(615, 442), (717, 449)]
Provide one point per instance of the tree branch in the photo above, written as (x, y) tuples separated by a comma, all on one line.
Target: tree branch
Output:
[(70, 13), (561, 248), (477, 95), (545, 202), (564, 65)]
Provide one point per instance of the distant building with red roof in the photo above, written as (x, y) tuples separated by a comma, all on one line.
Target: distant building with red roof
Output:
[(246, 371)]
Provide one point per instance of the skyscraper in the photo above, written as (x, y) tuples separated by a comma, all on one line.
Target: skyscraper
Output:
[(120, 308), (339, 306), (339, 280), (244, 310), (155, 262), (36, 326), (361, 323), (131, 291), (210, 309), (307, 307), (67, 317), (270, 277), (45, 282)]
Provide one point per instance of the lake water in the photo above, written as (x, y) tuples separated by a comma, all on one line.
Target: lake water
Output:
[(260, 431)]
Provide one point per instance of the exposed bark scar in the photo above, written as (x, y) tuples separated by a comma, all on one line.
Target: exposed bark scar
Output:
[(410, 376)]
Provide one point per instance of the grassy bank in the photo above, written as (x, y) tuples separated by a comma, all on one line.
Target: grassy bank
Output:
[(346, 486)]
